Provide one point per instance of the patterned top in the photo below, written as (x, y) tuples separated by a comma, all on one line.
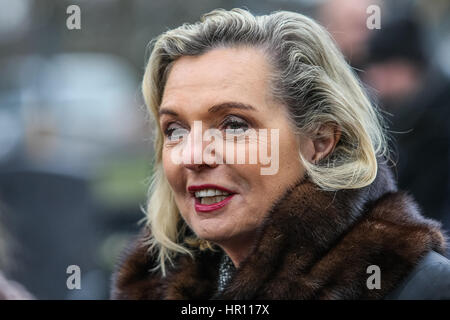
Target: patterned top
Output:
[(226, 271)]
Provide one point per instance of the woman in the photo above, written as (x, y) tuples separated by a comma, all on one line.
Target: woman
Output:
[(310, 221)]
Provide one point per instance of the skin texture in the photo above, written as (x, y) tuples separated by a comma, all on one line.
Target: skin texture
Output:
[(238, 75)]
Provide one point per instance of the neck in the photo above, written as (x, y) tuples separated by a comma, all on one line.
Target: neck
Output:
[(238, 248)]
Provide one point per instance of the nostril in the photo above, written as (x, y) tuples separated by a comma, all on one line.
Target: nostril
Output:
[(201, 166)]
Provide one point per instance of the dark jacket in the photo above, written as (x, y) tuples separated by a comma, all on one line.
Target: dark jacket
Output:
[(429, 280), (422, 134), (313, 244)]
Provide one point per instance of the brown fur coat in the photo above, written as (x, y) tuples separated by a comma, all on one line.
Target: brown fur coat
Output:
[(312, 245)]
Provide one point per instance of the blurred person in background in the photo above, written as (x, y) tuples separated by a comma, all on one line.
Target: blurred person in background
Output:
[(417, 95), (9, 290), (12, 290), (346, 21)]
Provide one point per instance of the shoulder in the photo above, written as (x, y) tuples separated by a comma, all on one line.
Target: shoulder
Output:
[(132, 278), (429, 280)]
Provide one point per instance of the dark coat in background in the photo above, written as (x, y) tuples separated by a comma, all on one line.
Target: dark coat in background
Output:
[(419, 118), (312, 244), (423, 140)]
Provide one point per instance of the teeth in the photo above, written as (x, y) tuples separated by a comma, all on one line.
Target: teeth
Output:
[(210, 193), (211, 200), (210, 196)]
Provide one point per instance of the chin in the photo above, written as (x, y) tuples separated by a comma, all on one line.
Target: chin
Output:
[(213, 235)]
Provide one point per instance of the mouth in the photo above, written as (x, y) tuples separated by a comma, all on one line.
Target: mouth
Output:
[(210, 197)]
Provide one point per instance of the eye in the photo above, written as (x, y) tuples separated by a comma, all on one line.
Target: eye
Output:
[(235, 125), (175, 132)]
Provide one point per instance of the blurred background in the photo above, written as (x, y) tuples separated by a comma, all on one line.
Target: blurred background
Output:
[(75, 139)]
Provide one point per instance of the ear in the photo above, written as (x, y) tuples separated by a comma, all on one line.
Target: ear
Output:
[(325, 140)]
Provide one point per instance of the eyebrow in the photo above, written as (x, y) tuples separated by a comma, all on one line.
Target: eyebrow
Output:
[(214, 109)]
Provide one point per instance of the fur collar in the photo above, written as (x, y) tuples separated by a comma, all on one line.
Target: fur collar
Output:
[(313, 244)]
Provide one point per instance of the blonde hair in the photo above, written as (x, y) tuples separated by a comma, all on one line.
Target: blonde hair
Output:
[(310, 77)]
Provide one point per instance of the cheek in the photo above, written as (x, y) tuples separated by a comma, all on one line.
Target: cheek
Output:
[(171, 171), (290, 167), (289, 147), (167, 165)]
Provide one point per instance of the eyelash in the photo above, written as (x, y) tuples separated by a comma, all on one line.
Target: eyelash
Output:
[(168, 131), (229, 121)]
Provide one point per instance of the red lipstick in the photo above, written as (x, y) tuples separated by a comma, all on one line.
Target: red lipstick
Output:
[(194, 188), (210, 207)]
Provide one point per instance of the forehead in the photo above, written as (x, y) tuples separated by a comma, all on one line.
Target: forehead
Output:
[(225, 74)]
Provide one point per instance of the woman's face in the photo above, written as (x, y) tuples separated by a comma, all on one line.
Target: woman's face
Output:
[(228, 90)]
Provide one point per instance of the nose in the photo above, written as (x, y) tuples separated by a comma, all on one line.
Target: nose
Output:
[(196, 155)]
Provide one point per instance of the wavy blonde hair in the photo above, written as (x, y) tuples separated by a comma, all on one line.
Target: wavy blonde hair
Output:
[(311, 78)]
